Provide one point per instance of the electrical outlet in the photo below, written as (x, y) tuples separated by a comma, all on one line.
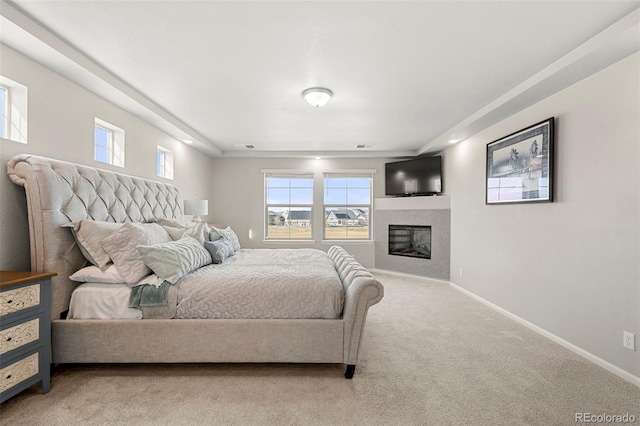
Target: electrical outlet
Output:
[(629, 340), (460, 271)]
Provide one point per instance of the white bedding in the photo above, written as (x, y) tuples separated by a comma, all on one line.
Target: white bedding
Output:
[(254, 283), (264, 283), (102, 301)]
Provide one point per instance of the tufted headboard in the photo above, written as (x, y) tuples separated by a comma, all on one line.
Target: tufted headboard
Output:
[(59, 192)]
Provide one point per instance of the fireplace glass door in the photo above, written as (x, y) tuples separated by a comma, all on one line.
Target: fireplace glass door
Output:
[(410, 240)]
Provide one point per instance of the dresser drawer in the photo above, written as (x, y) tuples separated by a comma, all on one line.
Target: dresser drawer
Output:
[(19, 371), (20, 298), (19, 335)]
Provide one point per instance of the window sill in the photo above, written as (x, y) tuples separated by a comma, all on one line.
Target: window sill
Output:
[(289, 241), (346, 242), (14, 140)]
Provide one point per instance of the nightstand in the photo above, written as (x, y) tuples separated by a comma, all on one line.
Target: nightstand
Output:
[(25, 331)]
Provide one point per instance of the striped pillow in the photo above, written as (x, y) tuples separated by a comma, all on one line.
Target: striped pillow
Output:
[(171, 261)]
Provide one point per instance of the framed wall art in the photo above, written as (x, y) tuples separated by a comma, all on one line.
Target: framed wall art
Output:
[(520, 166)]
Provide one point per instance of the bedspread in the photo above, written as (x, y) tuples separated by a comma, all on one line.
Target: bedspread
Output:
[(263, 283)]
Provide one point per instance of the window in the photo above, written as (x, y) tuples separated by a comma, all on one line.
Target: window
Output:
[(347, 206), (164, 163), (288, 205), (13, 110), (108, 143)]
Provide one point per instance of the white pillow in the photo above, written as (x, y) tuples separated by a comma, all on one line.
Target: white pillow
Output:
[(89, 235), (216, 234), (174, 222), (122, 247), (93, 274), (200, 232), (170, 261)]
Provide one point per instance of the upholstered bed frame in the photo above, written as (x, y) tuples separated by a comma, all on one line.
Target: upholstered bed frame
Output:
[(58, 192)]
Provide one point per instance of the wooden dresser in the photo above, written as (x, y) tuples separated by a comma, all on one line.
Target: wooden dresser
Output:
[(25, 331)]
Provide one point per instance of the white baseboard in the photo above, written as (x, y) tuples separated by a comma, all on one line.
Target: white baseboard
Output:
[(400, 274), (573, 348)]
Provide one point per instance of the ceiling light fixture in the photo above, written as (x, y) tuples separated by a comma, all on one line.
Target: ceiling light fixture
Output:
[(452, 141), (188, 141), (317, 96)]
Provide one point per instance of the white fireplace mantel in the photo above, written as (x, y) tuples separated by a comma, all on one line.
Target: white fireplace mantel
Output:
[(439, 202)]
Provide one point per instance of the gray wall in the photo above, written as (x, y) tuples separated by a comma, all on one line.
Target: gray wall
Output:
[(438, 265), (61, 118), (238, 199), (570, 267)]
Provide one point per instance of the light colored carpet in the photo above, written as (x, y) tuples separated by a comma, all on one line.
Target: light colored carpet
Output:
[(431, 356)]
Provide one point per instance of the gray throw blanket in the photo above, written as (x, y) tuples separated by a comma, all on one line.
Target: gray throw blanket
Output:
[(149, 295)]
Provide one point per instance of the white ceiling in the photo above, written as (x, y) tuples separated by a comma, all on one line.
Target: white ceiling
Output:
[(406, 76)]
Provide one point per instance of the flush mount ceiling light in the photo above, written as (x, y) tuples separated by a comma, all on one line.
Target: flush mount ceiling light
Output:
[(317, 96)]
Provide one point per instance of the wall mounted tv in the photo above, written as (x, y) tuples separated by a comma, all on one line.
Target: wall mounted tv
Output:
[(419, 176)]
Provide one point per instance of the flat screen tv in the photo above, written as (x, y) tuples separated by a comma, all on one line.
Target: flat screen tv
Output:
[(419, 176)]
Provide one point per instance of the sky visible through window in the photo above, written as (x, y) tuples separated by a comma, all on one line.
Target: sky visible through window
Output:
[(102, 140), (160, 164), (346, 191), (289, 190)]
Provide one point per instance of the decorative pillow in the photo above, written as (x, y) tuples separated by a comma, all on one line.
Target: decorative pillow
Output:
[(174, 222), (170, 261), (220, 249), (216, 234), (93, 274), (200, 232), (174, 233), (89, 235), (122, 247)]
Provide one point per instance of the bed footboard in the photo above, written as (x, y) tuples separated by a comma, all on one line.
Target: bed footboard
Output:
[(362, 290)]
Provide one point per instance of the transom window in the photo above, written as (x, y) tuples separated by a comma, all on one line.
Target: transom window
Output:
[(164, 163), (108, 143), (288, 206), (347, 206), (13, 110)]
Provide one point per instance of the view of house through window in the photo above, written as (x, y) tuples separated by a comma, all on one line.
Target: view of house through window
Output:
[(108, 143), (347, 206), (289, 206)]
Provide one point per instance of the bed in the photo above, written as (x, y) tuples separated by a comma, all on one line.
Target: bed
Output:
[(59, 193)]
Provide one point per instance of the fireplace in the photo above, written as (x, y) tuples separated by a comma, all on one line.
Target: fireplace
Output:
[(410, 240)]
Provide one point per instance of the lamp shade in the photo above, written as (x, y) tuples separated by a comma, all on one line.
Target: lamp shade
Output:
[(317, 96), (196, 207)]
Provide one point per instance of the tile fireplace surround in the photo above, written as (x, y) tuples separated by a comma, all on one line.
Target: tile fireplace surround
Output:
[(417, 211)]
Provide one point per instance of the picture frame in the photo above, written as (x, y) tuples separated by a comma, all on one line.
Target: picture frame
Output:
[(520, 166)]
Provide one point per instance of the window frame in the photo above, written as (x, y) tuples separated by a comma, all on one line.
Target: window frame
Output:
[(347, 206), (288, 174), (115, 143), (164, 169)]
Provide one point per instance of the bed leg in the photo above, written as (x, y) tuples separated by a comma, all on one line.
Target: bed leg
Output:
[(350, 370)]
